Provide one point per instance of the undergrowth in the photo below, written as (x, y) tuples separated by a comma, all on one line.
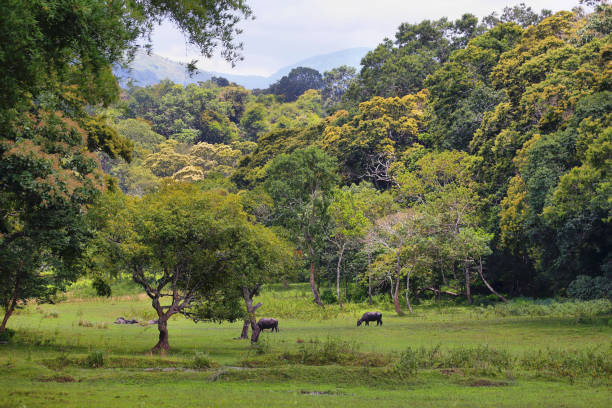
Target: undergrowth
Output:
[(595, 362)]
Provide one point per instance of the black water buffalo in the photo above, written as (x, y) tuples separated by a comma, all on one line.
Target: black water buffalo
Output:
[(121, 320), (267, 323), (370, 317)]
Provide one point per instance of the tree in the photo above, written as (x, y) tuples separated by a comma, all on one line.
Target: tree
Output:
[(520, 14), (298, 81), (376, 135), (336, 83), (260, 257), (55, 60), (186, 245), (301, 185), (401, 235), (442, 186), (349, 225), (47, 182), (399, 68), (460, 91), (377, 205), (253, 121)]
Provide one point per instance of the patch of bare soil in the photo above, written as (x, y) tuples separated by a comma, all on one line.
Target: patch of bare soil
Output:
[(451, 371), (482, 382), (58, 378)]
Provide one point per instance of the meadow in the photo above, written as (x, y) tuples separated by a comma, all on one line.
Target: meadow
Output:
[(525, 353)]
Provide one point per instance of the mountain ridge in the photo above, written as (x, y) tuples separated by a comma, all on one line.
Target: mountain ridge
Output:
[(149, 69)]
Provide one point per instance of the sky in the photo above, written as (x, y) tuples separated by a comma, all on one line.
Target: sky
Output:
[(287, 31)]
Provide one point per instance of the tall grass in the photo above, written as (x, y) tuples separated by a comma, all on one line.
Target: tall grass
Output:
[(579, 310)]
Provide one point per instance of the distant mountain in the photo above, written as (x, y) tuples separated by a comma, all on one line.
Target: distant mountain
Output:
[(151, 69), (351, 57)]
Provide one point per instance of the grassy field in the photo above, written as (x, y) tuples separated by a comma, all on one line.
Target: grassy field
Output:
[(518, 355)]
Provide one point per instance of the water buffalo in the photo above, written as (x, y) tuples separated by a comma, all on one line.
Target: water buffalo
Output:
[(121, 320), (267, 323), (370, 317)]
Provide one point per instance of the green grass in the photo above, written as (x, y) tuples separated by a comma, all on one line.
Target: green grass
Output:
[(518, 355)]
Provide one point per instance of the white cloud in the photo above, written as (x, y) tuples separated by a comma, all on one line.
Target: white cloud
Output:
[(286, 31)]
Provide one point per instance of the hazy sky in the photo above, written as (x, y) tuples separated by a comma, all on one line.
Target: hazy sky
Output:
[(287, 31)]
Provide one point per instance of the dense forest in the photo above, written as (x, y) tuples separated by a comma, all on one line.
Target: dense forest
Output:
[(464, 158)]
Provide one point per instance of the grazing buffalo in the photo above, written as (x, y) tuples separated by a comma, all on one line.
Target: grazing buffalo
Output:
[(370, 317), (267, 323)]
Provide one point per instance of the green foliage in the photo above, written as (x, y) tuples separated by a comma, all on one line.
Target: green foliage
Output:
[(203, 361), (381, 130), (294, 84), (56, 61), (95, 359), (328, 297), (7, 335), (336, 83), (301, 186), (102, 288), (419, 50), (577, 310), (587, 288)]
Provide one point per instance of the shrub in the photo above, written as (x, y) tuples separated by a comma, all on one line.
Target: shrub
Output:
[(95, 359), (480, 357), (407, 364), (202, 361), (592, 362), (85, 323), (261, 347), (587, 288), (102, 288), (357, 293), (6, 335), (580, 310), (328, 297)]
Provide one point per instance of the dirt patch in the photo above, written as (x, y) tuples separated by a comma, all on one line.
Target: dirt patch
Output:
[(58, 379), (451, 371), (481, 382)]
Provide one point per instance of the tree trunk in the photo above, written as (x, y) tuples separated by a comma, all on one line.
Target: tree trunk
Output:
[(369, 280), (315, 293), (248, 300), (11, 307), (245, 330), (468, 292), (7, 314), (398, 309), (487, 283), (255, 334), (408, 291), (162, 344), (338, 275)]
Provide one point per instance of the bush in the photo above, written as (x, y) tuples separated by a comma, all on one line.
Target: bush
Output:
[(408, 363), (102, 288), (588, 288), (51, 315), (95, 359), (593, 362), (328, 297), (202, 361), (85, 323), (6, 335), (358, 293), (580, 310)]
